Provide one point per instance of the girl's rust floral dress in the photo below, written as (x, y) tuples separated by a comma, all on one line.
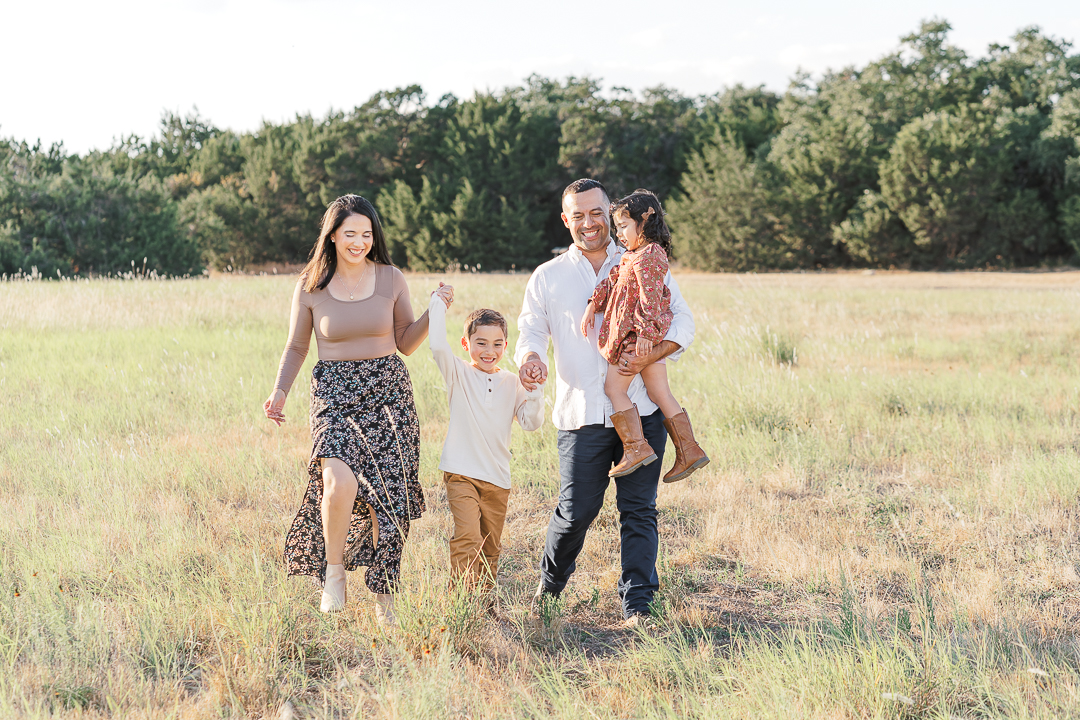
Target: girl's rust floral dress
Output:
[(635, 301)]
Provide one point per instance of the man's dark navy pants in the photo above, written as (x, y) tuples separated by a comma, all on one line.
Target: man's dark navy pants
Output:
[(586, 456)]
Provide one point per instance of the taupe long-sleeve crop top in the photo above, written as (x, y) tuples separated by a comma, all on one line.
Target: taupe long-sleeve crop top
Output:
[(376, 326)]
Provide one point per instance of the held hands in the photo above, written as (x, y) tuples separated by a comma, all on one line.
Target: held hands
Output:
[(587, 319), (445, 293), (533, 372), (274, 406)]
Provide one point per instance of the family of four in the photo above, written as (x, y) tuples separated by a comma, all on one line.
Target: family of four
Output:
[(613, 407)]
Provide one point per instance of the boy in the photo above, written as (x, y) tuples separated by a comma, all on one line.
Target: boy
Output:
[(484, 400)]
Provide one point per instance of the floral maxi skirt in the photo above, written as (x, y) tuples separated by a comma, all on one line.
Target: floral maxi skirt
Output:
[(362, 413)]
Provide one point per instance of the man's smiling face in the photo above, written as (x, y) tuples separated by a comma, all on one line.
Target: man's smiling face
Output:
[(586, 217)]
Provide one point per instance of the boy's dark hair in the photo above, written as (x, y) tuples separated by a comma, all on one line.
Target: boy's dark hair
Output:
[(638, 205), (484, 316), (584, 185)]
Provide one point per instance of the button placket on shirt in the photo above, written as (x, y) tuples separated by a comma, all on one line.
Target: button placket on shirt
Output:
[(600, 398)]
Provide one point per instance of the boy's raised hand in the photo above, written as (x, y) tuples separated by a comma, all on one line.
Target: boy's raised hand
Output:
[(446, 293)]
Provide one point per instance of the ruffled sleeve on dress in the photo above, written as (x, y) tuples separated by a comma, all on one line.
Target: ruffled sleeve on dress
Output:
[(652, 316), (602, 292)]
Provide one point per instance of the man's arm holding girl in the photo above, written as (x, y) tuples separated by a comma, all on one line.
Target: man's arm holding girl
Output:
[(678, 337)]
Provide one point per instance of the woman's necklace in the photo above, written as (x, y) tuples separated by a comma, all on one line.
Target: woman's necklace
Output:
[(357, 285)]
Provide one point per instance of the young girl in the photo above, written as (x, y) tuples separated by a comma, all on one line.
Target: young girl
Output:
[(636, 306)]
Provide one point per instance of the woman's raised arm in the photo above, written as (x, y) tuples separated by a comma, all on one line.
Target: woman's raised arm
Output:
[(408, 333)]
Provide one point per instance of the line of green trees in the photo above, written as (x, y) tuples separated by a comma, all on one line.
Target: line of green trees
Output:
[(925, 158)]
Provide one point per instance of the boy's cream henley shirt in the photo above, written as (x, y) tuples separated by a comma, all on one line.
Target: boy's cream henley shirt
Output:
[(482, 409)]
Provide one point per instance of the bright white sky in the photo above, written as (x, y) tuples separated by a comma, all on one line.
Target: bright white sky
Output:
[(87, 72)]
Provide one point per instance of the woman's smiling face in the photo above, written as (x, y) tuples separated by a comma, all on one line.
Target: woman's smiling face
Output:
[(352, 240)]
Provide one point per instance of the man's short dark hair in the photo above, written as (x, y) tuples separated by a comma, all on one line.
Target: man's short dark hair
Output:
[(484, 316), (584, 185)]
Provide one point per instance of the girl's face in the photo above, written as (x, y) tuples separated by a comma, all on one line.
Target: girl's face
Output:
[(629, 231), (352, 241)]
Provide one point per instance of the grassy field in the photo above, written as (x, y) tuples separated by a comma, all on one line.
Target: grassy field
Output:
[(889, 526)]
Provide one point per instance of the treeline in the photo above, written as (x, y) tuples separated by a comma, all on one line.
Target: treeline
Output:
[(922, 159), (925, 158)]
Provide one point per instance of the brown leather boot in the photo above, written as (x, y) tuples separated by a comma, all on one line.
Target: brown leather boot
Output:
[(636, 452), (688, 454)]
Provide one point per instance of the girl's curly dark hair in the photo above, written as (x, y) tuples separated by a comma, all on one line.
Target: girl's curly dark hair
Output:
[(644, 207)]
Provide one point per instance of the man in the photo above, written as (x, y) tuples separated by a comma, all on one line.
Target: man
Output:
[(555, 300)]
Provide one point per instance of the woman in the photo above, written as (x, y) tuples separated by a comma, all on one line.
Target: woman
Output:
[(363, 490)]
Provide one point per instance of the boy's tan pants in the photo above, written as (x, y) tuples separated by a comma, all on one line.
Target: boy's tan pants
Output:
[(479, 510)]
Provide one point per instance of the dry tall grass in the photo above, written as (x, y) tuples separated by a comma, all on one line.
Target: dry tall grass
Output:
[(888, 527)]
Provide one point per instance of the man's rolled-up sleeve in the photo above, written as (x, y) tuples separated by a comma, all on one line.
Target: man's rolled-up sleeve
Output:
[(682, 324), (534, 331)]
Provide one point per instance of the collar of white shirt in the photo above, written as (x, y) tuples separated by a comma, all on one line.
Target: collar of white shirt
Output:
[(614, 252)]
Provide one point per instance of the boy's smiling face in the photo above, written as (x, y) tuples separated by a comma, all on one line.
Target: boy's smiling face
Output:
[(485, 347)]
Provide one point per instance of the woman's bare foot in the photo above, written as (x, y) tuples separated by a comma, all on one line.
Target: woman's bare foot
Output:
[(384, 609), (333, 594)]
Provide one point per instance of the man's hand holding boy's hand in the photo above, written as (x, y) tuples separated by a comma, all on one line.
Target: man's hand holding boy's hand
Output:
[(533, 372)]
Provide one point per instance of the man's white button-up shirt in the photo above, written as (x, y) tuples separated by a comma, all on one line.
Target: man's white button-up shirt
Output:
[(555, 300)]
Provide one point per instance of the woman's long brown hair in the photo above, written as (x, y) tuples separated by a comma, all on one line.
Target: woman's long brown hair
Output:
[(322, 261)]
